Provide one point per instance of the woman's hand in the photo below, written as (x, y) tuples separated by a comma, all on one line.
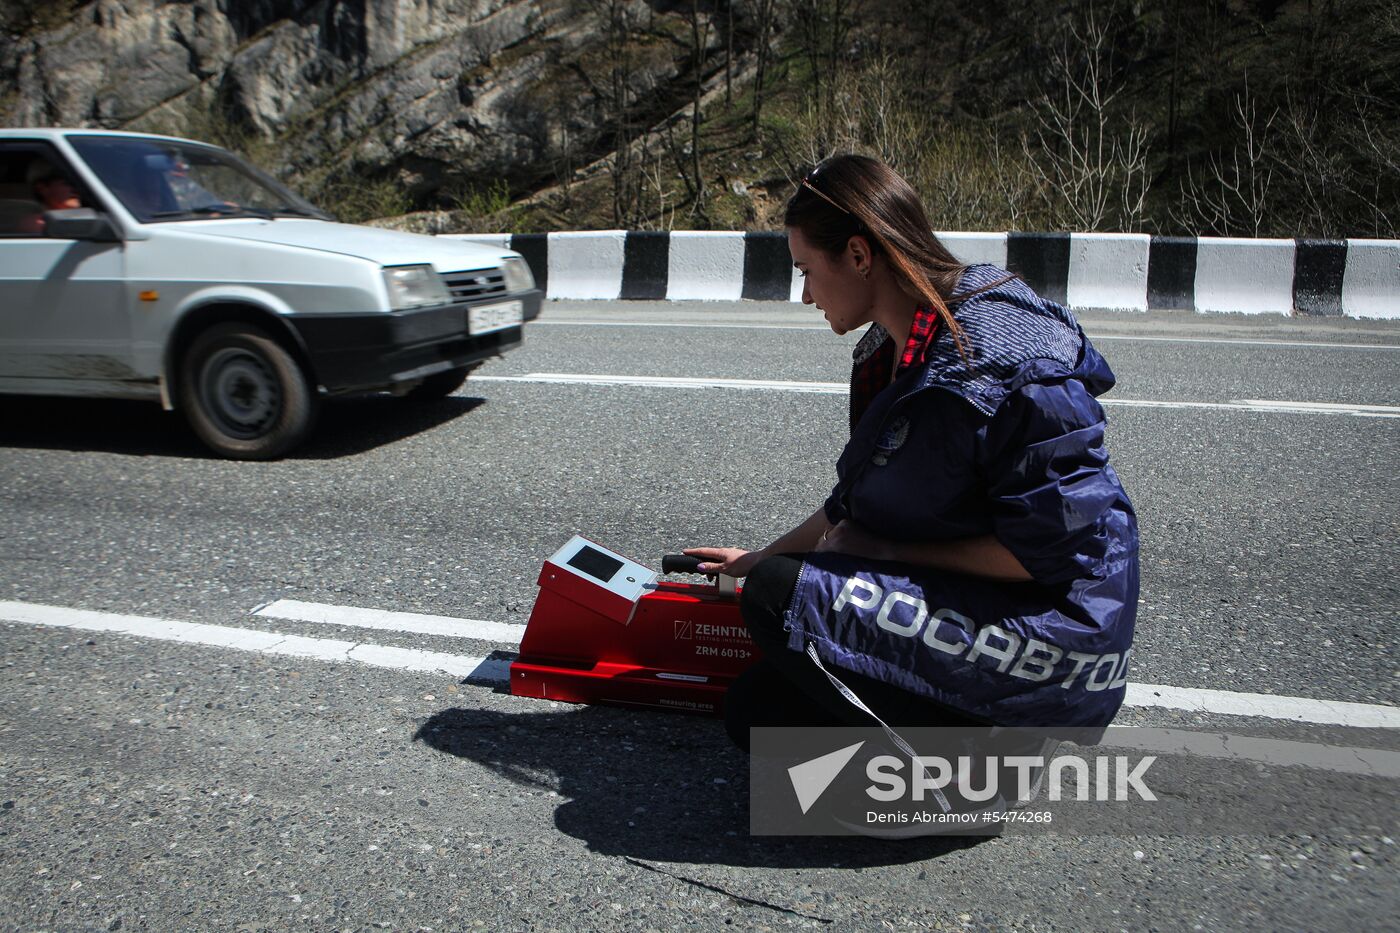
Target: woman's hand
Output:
[(847, 537), (737, 562), (730, 561)]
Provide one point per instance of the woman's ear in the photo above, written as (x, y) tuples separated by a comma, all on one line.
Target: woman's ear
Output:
[(858, 250)]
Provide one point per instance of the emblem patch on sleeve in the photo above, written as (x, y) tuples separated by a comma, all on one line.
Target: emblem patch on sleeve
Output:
[(893, 439)]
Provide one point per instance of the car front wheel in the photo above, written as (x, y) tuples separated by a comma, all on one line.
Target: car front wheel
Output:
[(244, 394)]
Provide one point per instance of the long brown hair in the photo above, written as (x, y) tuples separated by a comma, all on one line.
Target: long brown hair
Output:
[(854, 195)]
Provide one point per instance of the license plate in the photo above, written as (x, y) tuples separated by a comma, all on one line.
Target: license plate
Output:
[(487, 318)]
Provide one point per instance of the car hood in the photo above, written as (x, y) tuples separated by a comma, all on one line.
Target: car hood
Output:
[(386, 247)]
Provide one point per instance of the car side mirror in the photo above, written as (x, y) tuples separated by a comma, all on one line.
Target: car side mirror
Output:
[(79, 223)]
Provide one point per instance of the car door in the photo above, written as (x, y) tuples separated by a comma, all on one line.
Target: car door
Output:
[(65, 320)]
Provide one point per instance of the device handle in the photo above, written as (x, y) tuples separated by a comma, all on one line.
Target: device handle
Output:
[(681, 563)]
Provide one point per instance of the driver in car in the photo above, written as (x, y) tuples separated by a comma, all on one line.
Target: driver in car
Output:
[(190, 193), (52, 189)]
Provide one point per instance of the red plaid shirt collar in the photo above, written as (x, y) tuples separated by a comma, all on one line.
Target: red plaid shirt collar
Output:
[(871, 374)]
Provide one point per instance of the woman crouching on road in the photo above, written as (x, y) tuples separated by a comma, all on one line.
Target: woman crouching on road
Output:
[(977, 561)]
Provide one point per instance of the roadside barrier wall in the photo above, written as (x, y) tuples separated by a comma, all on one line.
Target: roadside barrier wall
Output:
[(1113, 271)]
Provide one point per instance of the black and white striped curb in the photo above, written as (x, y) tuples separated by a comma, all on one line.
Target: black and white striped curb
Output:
[(1115, 271)]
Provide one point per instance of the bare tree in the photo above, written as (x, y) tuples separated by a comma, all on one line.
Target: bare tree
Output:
[(1173, 88), (655, 176), (728, 53), (699, 52), (967, 178), (564, 167), (1379, 140), (764, 15), (1017, 186), (823, 30), (1231, 196), (620, 20), (1089, 157), (1341, 163), (1314, 150)]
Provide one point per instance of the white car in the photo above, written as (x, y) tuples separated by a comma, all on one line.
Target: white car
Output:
[(147, 267)]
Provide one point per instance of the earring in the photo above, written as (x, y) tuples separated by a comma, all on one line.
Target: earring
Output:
[(865, 273)]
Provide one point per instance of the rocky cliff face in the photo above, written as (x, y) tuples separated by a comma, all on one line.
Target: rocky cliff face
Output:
[(434, 93)]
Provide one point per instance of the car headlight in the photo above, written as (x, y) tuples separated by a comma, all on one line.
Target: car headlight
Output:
[(517, 274), (414, 287)]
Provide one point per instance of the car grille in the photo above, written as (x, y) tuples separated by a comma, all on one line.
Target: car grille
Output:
[(477, 283)]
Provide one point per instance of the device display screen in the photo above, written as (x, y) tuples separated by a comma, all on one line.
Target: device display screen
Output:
[(595, 563)]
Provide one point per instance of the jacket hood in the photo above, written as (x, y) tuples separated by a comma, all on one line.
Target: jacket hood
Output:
[(1014, 337)]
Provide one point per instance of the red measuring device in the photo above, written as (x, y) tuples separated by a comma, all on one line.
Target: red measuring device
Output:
[(606, 629)]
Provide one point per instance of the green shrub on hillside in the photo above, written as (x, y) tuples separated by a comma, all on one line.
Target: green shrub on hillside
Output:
[(355, 200)]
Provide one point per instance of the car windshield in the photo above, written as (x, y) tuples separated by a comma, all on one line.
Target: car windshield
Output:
[(162, 180)]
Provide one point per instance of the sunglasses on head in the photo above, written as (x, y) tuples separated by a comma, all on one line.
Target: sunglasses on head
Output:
[(807, 183)]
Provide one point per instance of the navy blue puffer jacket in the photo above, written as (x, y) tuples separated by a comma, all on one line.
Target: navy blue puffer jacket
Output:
[(1008, 442)]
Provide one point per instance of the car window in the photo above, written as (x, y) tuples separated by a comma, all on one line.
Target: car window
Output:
[(34, 178), (163, 180)]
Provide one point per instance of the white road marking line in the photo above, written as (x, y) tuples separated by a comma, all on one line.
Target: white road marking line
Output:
[(841, 388), (1389, 411), (384, 621), (1348, 760), (1266, 405), (711, 325), (1371, 762), (673, 382), (1213, 702), (1264, 706), (484, 670), (1312, 345), (1267, 706)]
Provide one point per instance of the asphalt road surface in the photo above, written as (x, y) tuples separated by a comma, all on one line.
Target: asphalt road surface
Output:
[(204, 775)]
